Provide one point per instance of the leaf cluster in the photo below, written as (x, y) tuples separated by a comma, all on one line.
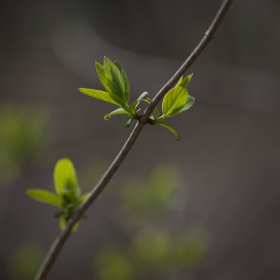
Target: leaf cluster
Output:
[(153, 195), (176, 102), (67, 194), (117, 91)]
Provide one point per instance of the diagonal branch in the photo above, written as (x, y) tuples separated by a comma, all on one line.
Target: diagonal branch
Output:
[(208, 36), (100, 186)]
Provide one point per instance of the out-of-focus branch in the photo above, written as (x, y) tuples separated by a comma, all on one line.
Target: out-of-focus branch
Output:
[(98, 189)]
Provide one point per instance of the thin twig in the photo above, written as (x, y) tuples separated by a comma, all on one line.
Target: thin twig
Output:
[(98, 189), (208, 36)]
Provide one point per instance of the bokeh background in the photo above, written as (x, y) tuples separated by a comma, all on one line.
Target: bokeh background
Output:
[(210, 202)]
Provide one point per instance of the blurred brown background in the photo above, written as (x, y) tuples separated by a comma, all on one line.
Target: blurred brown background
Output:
[(228, 156)]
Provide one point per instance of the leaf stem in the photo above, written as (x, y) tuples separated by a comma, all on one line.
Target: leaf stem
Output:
[(98, 189), (162, 117)]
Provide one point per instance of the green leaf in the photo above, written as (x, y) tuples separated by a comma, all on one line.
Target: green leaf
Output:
[(180, 80), (174, 100), (102, 95), (147, 100), (114, 80), (155, 113), (143, 95), (60, 214), (185, 82), (135, 104), (121, 265), (188, 105), (84, 197), (108, 86), (44, 196), (133, 107), (125, 80), (63, 223), (65, 179), (119, 111), (127, 121), (70, 199), (101, 74), (169, 128)]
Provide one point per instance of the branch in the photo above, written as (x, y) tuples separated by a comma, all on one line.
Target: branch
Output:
[(100, 186), (208, 36)]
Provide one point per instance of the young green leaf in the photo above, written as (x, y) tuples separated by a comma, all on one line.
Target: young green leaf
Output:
[(143, 95), (180, 80), (84, 197), (146, 99), (174, 100), (63, 223), (127, 121), (101, 75), (69, 198), (60, 214), (119, 111), (102, 95), (65, 179), (114, 80), (188, 105), (155, 113), (169, 128), (133, 106), (185, 82), (45, 197), (125, 80)]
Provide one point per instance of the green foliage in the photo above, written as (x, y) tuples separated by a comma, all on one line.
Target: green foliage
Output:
[(153, 195), (65, 180), (119, 111), (25, 262), (175, 132), (99, 94), (175, 102), (127, 121), (184, 82), (23, 136), (45, 197), (115, 265), (67, 196), (115, 81), (190, 249), (187, 106), (152, 249)]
